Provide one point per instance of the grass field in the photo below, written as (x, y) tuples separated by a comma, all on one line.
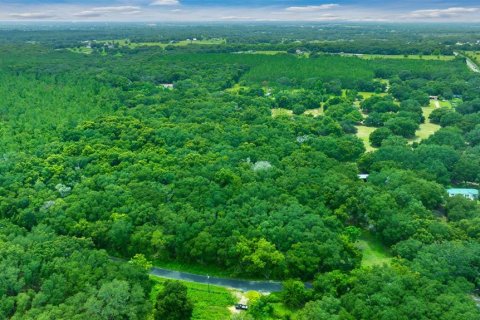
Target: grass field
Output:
[(364, 133), (278, 112), (445, 104), (83, 50), (413, 57), (474, 55), (427, 129), (210, 302), (366, 95), (270, 53), (374, 252), (314, 112), (132, 45)]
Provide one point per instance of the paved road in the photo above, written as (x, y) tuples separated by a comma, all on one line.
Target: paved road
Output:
[(242, 285)]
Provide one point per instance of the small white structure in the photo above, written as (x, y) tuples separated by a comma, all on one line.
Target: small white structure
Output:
[(363, 176), (167, 86)]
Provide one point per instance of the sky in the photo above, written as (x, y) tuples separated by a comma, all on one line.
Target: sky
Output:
[(244, 10)]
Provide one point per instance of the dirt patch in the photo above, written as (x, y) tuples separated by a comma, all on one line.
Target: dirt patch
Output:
[(241, 298)]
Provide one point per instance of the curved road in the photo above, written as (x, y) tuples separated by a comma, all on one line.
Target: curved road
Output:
[(242, 285)]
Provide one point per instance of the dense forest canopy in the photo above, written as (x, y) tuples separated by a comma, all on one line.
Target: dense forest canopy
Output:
[(246, 162)]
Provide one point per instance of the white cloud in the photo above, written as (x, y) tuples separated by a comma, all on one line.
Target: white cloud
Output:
[(165, 3), (32, 15), (102, 11), (441, 13), (236, 18), (313, 8)]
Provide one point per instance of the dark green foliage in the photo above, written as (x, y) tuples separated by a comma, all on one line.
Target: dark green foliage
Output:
[(94, 147), (173, 303), (437, 114), (49, 276), (385, 293), (401, 126), (294, 294), (378, 136)]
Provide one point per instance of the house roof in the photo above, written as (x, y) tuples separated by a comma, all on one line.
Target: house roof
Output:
[(463, 191)]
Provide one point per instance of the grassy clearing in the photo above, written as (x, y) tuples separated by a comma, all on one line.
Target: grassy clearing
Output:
[(367, 95), (445, 104), (374, 252), (363, 133), (427, 129), (279, 112), (236, 88), (315, 112), (210, 302), (83, 50), (412, 57), (132, 45), (474, 55), (269, 53)]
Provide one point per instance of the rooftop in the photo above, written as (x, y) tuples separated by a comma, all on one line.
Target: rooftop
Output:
[(462, 191)]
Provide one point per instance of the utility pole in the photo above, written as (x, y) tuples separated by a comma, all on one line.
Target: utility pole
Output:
[(208, 283)]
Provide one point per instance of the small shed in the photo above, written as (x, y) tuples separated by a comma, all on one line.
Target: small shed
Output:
[(471, 194)]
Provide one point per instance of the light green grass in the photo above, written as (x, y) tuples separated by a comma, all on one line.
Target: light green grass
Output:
[(363, 133), (132, 45), (445, 104), (414, 57), (279, 112), (83, 50), (426, 129), (374, 252), (269, 52), (474, 55), (236, 88), (210, 302), (367, 95), (315, 112)]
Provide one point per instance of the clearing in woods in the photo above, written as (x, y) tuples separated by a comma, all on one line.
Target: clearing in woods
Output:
[(374, 253), (428, 128)]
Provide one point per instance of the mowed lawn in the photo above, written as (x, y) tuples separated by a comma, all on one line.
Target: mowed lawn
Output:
[(367, 95), (427, 129), (363, 133), (374, 252), (210, 302)]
